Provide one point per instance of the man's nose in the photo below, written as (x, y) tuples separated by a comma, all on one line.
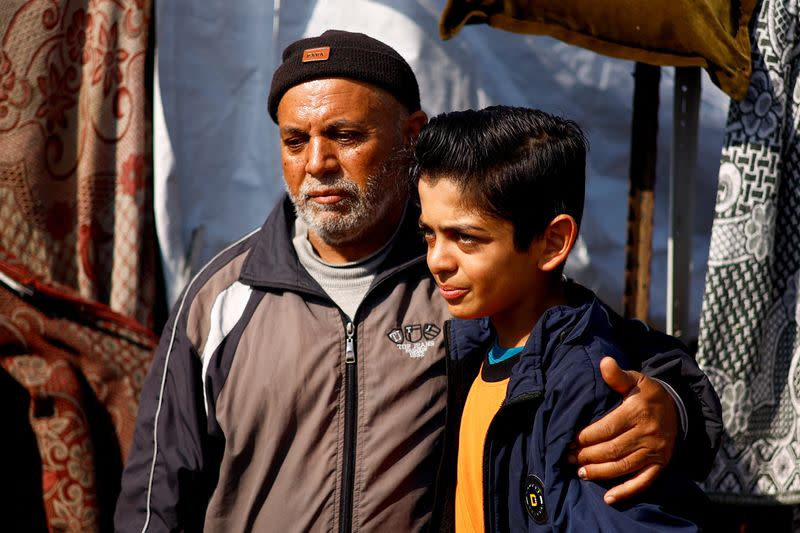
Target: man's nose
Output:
[(322, 159)]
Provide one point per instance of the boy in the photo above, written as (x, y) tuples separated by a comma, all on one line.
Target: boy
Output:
[(501, 192)]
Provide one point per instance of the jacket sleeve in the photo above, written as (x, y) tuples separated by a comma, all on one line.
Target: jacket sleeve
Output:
[(576, 395), (167, 476), (666, 358)]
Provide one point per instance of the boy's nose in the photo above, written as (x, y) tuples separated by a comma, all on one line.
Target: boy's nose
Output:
[(440, 261)]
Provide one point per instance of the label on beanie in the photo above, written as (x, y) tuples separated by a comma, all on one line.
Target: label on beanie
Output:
[(316, 54)]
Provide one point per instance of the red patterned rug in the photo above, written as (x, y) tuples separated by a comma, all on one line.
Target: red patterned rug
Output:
[(76, 240), (74, 370)]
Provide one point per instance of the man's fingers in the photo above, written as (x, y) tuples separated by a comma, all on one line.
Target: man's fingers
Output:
[(633, 486), (618, 420), (612, 424), (619, 380), (637, 437), (612, 467), (605, 452)]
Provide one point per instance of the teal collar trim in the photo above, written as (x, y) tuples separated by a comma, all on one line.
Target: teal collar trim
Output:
[(498, 354)]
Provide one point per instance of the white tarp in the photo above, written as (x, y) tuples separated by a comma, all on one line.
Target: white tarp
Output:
[(217, 169)]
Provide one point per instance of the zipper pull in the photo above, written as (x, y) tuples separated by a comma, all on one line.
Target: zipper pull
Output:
[(350, 351)]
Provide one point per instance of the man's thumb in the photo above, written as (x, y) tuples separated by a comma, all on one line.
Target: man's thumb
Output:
[(619, 380)]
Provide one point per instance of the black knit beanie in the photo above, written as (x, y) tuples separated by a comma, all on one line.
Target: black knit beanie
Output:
[(342, 54)]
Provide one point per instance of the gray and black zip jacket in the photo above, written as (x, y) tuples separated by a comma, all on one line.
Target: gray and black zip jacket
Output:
[(265, 409)]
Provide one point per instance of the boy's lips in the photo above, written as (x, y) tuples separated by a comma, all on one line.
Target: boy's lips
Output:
[(451, 293)]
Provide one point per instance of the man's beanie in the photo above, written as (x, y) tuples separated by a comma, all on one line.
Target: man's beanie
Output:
[(342, 54)]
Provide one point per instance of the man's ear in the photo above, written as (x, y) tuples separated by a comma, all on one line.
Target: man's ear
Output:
[(412, 126), (557, 242)]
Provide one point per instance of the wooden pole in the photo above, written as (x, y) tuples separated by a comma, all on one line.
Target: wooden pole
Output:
[(641, 198)]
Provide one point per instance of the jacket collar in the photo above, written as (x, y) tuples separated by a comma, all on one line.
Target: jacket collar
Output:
[(273, 262), (558, 326)]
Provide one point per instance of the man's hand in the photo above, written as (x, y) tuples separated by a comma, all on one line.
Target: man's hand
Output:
[(637, 438)]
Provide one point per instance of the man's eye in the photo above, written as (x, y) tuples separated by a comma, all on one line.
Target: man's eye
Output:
[(348, 137), (293, 142)]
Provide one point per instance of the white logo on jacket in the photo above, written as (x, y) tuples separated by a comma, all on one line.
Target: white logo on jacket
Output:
[(415, 339)]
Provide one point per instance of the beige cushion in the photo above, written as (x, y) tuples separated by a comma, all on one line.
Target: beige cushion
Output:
[(704, 33)]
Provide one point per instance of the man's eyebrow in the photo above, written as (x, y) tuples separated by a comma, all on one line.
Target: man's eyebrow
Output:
[(343, 124), (329, 128), (291, 130)]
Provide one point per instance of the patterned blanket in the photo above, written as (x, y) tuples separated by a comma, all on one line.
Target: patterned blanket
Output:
[(749, 343), (70, 376), (75, 188), (75, 227)]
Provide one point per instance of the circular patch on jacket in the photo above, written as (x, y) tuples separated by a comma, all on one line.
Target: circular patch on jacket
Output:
[(534, 499)]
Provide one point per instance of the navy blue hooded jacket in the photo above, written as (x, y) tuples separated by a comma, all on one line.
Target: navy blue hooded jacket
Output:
[(556, 388)]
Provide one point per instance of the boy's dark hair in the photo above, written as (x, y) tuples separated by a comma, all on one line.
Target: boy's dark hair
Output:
[(518, 164)]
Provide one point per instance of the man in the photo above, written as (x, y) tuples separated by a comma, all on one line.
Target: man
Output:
[(300, 381)]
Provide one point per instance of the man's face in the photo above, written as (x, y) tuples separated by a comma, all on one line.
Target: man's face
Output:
[(341, 142), (473, 258)]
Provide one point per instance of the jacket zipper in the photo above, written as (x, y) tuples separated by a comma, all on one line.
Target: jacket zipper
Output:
[(440, 482), (488, 512), (351, 407), (350, 411)]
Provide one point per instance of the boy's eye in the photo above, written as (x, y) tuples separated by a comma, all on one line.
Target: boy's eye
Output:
[(427, 234), (466, 238)]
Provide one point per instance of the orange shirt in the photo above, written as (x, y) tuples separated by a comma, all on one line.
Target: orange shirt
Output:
[(483, 401)]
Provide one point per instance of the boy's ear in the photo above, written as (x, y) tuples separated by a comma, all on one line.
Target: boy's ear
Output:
[(557, 242)]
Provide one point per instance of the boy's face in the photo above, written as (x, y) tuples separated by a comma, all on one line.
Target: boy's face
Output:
[(473, 259)]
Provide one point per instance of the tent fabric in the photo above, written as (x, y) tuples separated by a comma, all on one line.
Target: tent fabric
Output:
[(749, 344), (683, 33), (217, 167), (75, 199)]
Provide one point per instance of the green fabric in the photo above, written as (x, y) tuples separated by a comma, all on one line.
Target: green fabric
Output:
[(702, 33)]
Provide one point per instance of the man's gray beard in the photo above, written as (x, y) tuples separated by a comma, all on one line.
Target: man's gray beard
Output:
[(353, 216)]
